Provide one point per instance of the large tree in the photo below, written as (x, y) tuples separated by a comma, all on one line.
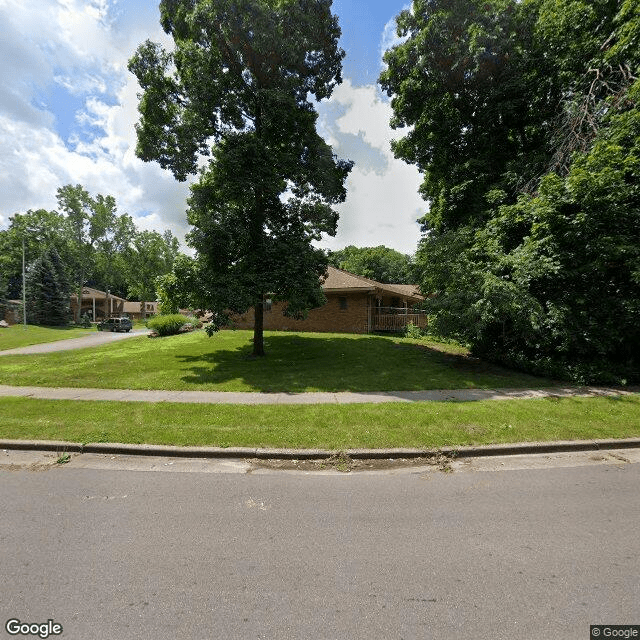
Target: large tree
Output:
[(39, 229), (111, 271), (47, 290), (90, 221), (377, 263), (149, 256), (236, 88), (524, 120)]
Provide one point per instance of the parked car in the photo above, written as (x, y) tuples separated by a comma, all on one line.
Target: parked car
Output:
[(116, 324)]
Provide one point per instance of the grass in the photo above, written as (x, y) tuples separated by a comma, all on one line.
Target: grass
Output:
[(425, 424), (16, 336), (295, 362)]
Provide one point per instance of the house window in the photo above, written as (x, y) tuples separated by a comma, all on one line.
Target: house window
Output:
[(267, 304), (342, 302)]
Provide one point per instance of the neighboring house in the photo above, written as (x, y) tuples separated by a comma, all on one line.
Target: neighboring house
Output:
[(95, 305), (354, 305), (134, 309)]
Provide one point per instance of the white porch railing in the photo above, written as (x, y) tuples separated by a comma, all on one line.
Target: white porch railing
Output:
[(396, 318)]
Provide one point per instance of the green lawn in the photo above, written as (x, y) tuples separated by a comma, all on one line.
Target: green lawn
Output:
[(420, 425), (16, 335), (295, 362)]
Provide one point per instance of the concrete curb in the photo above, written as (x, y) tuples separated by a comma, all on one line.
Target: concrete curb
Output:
[(318, 454)]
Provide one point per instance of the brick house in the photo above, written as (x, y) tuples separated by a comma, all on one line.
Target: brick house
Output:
[(95, 305), (354, 305)]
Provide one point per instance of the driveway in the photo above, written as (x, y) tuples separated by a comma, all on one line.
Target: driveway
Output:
[(90, 340)]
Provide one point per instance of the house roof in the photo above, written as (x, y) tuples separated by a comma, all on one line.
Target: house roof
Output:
[(128, 306), (338, 280), (96, 293), (411, 290)]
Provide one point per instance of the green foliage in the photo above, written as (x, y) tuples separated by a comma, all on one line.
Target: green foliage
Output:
[(149, 256), (377, 263), (168, 325), (4, 305), (97, 246), (181, 287), (241, 74), (531, 248), (47, 291), (413, 331), (475, 89), (39, 229), (98, 237)]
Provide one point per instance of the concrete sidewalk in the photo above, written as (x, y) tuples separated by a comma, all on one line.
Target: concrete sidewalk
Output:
[(343, 397)]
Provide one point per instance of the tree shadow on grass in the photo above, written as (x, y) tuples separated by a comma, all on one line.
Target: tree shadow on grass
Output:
[(298, 363)]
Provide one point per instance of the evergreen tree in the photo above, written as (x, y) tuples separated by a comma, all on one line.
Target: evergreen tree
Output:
[(47, 291)]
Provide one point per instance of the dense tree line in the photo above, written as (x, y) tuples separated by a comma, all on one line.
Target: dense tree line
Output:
[(86, 242), (376, 263), (525, 123)]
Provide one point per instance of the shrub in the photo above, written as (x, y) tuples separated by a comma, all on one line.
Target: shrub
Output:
[(168, 325), (413, 331)]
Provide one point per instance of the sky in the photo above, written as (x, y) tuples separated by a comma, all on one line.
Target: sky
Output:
[(68, 108)]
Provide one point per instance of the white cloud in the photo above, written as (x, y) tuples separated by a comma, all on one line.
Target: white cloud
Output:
[(389, 35), (82, 46), (382, 203), (76, 45)]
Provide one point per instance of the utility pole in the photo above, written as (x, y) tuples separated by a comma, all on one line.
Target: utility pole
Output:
[(24, 288), (24, 279)]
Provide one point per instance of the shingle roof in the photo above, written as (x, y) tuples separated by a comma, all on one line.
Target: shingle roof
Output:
[(339, 280), (96, 293), (405, 289)]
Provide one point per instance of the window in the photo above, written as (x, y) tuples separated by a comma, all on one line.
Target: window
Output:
[(267, 304), (342, 302)]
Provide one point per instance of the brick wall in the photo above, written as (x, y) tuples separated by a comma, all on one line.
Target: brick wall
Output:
[(330, 317)]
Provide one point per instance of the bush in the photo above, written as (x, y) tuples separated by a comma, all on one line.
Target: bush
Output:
[(413, 331), (168, 325)]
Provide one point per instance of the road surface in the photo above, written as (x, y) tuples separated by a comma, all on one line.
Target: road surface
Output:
[(236, 553)]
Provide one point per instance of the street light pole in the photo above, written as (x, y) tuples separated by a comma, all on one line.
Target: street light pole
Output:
[(24, 289), (24, 280)]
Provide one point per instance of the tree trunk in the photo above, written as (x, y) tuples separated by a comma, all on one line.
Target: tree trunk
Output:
[(257, 230), (143, 310), (258, 328)]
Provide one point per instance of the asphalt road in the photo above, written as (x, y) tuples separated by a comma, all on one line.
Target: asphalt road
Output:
[(121, 554), (90, 340)]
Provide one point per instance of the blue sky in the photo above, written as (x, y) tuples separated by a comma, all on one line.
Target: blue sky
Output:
[(68, 107)]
